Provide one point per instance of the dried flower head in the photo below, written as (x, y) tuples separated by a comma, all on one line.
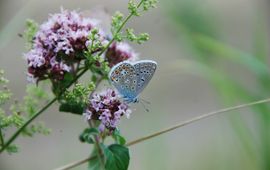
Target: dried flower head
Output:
[(108, 108), (58, 45), (118, 52)]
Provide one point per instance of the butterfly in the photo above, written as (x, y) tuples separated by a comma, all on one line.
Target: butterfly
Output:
[(131, 78)]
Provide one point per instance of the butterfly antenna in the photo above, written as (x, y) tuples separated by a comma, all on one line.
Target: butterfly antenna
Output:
[(147, 110), (145, 101)]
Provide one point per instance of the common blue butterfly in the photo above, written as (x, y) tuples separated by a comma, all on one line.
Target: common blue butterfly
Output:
[(131, 78)]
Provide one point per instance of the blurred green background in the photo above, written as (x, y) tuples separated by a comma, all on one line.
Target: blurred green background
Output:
[(211, 54)]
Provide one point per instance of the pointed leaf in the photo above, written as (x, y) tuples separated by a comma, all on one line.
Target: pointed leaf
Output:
[(117, 157)]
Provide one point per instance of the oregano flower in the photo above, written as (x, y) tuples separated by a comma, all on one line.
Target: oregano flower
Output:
[(59, 44), (118, 52), (107, 108)]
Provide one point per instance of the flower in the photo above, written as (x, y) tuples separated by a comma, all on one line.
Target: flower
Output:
[(59, 44), (118, 52), (107, 108)]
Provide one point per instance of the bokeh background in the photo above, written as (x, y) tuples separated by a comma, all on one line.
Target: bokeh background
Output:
[(211, 54)]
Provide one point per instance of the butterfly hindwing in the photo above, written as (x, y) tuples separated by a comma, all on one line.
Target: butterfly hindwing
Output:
[(145, 70), (123, 77), (130, 79)]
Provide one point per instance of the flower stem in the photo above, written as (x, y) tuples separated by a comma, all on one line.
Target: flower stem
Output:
[(195, 119), (119, 29), (2, 142), (96, 138), (99, 149), (181, 124), (15, 135), (77, 163)]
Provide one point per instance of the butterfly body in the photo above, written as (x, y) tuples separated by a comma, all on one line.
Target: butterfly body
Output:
[(131, 78)]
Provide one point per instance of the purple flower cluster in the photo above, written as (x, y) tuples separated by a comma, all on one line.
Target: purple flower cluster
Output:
[(118, 52), (107, 108), (58, 45)]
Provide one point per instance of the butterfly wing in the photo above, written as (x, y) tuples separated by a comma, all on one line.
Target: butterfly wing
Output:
[(124, 79), (145, 70)]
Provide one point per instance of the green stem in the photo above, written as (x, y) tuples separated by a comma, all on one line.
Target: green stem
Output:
[(195, 119), (15, 135), (96, 138), (119, 29), (99, 149), (181, 124), (2, 142)]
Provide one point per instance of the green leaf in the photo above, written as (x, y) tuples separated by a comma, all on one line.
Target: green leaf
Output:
[(87, 135), (94, 78), (59, 86), (119, 139), (72, 108), (117, 157)]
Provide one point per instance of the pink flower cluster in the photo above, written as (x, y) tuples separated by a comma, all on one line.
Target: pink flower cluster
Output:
[(58, 45), (107, 108), (118, 52)]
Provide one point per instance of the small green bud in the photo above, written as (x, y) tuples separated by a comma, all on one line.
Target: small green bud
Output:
[(142, 38), (138, 38), (12, 149), (30, 32), (94, 31), (147, 4), (132, 7), (117, 21)]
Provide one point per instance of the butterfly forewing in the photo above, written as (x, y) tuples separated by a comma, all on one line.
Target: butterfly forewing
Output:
[(145, 70), (123, 77)]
